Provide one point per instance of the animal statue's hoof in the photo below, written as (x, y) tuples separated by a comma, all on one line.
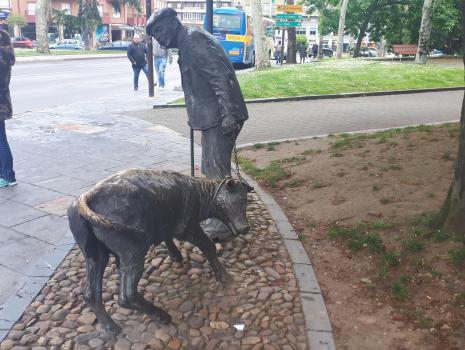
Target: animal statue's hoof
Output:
[(112, 328), (163, 317), (225, 279), (175, 256)]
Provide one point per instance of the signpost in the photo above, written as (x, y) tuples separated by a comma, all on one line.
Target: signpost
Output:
[(291, 8), (280, 16), (292, 17)]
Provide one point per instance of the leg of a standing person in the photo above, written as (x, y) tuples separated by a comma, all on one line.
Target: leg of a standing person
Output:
[(136, 71), (6, 158), (162, 67), (156, 63)]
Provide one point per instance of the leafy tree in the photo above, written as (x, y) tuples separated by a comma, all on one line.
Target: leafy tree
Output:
[(341, 27), (452, 214), (17, 22), (58, 17), (447, 26), (328, 17), (90, 16), (425, 32), (43, 10)]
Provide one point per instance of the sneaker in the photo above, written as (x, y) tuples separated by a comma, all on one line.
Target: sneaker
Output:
[(5, 183)]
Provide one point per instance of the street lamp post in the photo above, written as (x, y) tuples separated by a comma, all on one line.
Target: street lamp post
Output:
[(148, 13)]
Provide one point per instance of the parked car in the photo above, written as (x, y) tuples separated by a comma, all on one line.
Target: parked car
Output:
[(116, 45), (21, 41), (436, 53), (67, 44), (368, 52), (327, 52)]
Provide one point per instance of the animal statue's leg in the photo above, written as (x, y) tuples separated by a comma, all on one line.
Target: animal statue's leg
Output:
[(173, 251), (206, 245), (96, 256), (131, 270), (96, 261)]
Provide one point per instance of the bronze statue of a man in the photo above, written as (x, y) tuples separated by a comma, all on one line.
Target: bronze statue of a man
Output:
[(214, 100)]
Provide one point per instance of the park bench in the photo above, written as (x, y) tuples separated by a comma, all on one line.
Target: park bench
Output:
[(404, 49)]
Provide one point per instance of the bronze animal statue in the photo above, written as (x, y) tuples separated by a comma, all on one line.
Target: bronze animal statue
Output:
[(130, 211)]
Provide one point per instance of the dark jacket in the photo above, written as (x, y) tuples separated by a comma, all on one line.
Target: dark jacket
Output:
[(137, 54), (209, 81), (7, 59), (303, 50)]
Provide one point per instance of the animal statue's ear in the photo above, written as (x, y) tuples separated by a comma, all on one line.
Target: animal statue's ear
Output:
[(230, 182)]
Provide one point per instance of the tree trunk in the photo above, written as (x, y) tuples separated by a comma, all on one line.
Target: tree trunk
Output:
[(43, 9), (262, 59), (363, 28), (452, 215), (340, 32), (291, 42), (291, 46), (425, 32), (61, 30), (86, 35)]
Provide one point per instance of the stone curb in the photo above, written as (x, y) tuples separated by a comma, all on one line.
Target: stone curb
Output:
[(60, 58), (333, 96), (319, 331)]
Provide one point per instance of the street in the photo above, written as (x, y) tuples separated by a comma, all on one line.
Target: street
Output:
[(45, 85)]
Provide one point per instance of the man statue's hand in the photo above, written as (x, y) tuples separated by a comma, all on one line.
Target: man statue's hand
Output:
[(229, 125)]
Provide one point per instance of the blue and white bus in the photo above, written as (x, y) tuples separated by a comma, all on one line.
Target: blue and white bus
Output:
[(233, 28)]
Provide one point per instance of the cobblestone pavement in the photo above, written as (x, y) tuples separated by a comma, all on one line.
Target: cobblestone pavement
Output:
[(260, 310), (285, 120)]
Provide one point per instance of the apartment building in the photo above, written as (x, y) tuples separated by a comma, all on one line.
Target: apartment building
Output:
[(115, 25), (192, 12)]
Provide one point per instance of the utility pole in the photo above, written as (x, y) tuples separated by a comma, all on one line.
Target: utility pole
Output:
[(209, 16), (148, 13)]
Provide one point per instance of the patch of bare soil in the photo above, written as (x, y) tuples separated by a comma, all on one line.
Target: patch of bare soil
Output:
[(362, 206)]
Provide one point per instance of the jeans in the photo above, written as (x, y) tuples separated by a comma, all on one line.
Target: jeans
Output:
[(6, 158), (137, 70), (160, 66)]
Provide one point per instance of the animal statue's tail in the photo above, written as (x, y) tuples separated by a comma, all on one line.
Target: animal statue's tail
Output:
[(99, 220)]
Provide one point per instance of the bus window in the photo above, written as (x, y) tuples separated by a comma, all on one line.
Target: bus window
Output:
[(226, 23)]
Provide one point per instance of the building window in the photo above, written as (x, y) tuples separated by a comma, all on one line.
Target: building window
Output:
[(312, 32), (116, 14), (31, 8)]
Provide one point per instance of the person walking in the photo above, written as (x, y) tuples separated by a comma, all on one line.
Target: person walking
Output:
[(137, 54), (278, 52), (7, 59), (303, 52), (315, 51), (160, 56)]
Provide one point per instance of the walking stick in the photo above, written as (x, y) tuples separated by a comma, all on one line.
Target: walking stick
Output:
[(192, 152)]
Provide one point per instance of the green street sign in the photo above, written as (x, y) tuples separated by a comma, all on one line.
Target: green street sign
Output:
[(288, 16), (288, 24)]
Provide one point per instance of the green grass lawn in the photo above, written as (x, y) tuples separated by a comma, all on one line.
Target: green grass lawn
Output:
[(347, 76), (33, 52)]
